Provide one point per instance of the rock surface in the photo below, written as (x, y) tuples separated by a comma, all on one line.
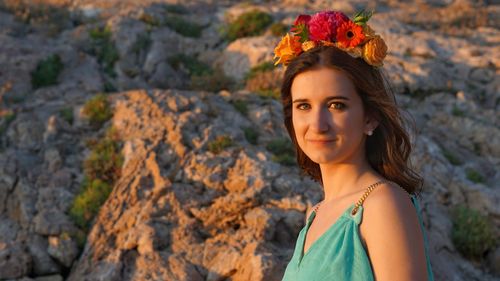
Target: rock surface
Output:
[(181, 211)]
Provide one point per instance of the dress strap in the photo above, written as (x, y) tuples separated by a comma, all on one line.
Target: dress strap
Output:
[(363, 197), (368, 190), (314, 209)]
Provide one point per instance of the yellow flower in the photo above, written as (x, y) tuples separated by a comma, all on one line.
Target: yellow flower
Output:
[(288, 48), (308, 45), (374, 51), (355, 52)]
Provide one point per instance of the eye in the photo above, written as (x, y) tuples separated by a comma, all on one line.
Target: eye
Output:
[(303, 106), (337, 105)]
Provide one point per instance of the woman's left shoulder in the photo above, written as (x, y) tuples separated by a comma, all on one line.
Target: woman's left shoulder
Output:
[(391, 233), (389, 199), (389, 205)]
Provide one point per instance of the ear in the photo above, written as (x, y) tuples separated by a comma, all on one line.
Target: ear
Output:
[(370, 124)]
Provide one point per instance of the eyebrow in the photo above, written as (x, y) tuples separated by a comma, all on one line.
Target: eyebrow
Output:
[(326, 99)]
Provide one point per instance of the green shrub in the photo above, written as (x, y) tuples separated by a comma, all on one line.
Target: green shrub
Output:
[(52, 18), (421, 93), (176, 9), (182, 26), (284, 159), (87, 204), (262, 67), (104, 49), (212, 82), (97, 110), (81, 238), (101, 169), (283, 151), (278, 29), (451, 157), (5, 120), (269, 94), (112, 134), (142, 43), (251, 135), (108, 86), (67, 114), (202, 76), (100, 33), (241, 106), (190, 63), (472, 233), (9, 117), (47, 71), (280, 146), (477, 148), (219, 144), (474, 176), (104, 161), (251, 23), (264, 82), (457, 112), (12, 99), (149, 19)]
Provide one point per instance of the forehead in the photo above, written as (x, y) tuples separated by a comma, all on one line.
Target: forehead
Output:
[(321, 82)]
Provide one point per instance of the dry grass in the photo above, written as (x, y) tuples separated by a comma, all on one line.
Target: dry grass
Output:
[(266, 84), (51, 15)]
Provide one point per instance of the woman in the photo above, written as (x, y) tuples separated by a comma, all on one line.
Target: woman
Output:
[(349, 136)]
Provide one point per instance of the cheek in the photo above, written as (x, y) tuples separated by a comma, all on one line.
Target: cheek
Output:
[(345, 121), (298, 128), (296, 122), (352, 120)]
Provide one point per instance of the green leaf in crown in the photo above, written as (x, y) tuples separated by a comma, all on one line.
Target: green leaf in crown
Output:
[(362, 17)]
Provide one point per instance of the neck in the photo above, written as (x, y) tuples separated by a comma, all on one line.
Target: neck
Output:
[(341, 179)]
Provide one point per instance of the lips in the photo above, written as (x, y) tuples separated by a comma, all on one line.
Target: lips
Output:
[(321, 140)]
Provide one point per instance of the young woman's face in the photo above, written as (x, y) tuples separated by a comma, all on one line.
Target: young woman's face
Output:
[(328, 116)]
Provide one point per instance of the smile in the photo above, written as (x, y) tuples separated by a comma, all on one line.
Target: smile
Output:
[(320, 141)]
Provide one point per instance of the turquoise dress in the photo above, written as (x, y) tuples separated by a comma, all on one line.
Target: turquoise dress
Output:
[(338, 254)]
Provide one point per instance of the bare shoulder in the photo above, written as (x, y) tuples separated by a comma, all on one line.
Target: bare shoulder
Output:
[(392, 235), (389, 199)]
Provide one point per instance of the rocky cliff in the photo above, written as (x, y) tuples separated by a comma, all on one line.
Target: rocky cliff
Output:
[(205, 188)]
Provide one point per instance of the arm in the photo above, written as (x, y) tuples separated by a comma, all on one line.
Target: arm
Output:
[(392, 235)]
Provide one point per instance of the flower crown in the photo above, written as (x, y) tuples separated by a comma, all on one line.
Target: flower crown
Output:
[(332, 28)]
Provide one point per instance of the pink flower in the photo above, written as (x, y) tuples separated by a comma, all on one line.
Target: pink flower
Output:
[(323, 25)]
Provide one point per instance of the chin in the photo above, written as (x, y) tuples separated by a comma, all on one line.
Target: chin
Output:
[(321, 159)]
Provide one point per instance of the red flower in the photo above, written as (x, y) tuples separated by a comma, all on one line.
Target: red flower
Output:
[(302, 19), (349, 35), (299, 27), (323, 25)]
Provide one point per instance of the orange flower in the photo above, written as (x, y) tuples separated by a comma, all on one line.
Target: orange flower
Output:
[(349, 35), (375, 51), (288, 48)]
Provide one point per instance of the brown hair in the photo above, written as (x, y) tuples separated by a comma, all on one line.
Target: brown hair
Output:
[(389, 148)]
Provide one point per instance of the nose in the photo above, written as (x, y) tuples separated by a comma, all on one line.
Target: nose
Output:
[(320, 121)]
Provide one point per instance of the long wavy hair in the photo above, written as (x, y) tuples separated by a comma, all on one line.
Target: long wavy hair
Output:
[(389, 148)]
